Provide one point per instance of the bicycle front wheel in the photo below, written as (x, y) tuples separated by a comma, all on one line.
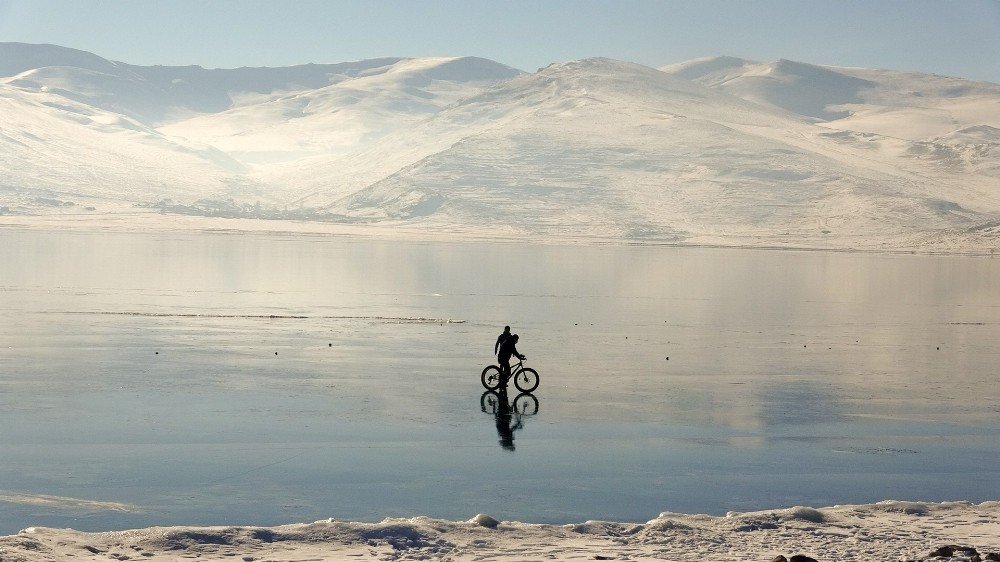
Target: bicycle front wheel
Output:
[(491, 377), (526, 380), (526, 404)]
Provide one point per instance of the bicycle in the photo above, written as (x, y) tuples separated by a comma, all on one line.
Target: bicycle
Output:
[(525, 404), (525, 378)]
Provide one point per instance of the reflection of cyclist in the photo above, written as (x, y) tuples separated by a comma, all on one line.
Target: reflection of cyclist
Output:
[(503, 416), (509, 417), (503, 337), (506, 350)]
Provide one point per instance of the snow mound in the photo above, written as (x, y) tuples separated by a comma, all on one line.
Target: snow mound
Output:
[(802, 513), (606, 528), (909, 508), (484, 520), (861, 532)]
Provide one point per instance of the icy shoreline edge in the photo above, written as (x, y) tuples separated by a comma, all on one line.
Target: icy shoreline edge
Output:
[(886, 530), (151, 223)]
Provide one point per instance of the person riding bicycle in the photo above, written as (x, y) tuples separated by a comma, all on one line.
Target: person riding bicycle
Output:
[(506, 350), (503, 337)]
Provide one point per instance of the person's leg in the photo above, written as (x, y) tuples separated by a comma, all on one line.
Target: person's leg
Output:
[(504, 371)]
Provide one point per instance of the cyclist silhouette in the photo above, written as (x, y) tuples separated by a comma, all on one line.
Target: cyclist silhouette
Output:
[(507, 348), (503, 337)]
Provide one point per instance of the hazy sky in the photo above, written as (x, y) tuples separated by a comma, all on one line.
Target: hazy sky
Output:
[(959, 38)]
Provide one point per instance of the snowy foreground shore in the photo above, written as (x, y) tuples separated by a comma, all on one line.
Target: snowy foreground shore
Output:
[(888, 530)]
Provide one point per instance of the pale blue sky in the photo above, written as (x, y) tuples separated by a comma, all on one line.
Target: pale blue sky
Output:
[(959, 38)]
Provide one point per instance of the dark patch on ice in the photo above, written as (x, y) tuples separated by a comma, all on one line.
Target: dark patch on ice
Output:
[(799, 403), (880, 451), (401, 319)]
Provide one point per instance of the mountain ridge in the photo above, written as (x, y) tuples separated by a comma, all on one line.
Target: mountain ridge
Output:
[(718, 150)]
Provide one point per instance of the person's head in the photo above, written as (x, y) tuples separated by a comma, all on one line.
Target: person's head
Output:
[(506, 329), (514, 338)]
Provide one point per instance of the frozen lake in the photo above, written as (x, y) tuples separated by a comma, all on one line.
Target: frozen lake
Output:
[(160, 379)]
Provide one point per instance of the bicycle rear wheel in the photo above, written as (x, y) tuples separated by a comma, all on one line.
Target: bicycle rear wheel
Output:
[(526, 380), (489, 402), (491, 377)]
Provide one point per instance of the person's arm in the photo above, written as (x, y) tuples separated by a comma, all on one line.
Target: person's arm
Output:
[(516, 354), (496, 346)]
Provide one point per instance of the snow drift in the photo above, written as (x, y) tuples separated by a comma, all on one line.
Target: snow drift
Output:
[(888, 530)]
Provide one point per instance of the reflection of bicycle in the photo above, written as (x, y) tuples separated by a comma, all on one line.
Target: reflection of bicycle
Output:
[(524, 405), (525, 379)]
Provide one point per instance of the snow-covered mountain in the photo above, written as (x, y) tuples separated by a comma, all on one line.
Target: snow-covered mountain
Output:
[(344, 115), (712, 151), (907, 105)]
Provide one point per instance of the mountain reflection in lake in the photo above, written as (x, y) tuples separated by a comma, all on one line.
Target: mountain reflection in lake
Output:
[(195, 378)]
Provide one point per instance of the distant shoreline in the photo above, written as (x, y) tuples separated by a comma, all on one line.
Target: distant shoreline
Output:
[(147, 223)]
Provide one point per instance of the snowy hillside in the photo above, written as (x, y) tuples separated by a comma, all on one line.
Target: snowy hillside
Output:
[(713, 151), (342, 116), (907, 105), (55, 151)]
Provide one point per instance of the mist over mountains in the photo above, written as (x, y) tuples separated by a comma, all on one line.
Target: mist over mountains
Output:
[(720, 151)]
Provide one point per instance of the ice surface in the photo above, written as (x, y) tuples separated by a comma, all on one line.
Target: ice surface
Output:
[(206, 379)]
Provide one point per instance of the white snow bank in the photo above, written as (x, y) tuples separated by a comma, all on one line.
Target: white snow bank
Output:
[(890, 530)]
